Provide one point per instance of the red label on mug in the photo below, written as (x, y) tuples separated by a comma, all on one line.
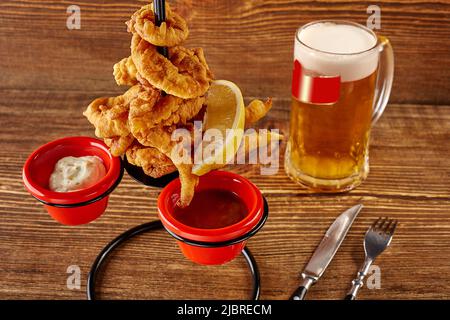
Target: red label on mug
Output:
[(314, 89)]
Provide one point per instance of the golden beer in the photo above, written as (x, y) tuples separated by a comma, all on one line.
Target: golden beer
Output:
[(328, 144)]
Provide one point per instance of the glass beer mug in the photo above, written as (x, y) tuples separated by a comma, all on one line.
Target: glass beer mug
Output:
[(341, 83)]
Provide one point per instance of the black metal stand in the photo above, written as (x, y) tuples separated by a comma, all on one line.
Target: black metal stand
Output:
[(138, 174), (147, 227)]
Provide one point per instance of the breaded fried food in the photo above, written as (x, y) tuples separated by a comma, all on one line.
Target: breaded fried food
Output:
[(142, 113), (160, 137), (152, 125), (125, 72), (256, 110), (168, 110), (119, 145), (185, 74), (165, 94), (188, 183), (154, 163), (110, 115), (172, 32)]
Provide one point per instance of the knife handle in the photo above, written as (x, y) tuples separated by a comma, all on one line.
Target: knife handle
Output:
[(301, 291), (299, 294)]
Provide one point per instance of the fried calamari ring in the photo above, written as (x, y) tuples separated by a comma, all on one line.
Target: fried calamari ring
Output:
[(189, 60), (144, 121), (146, 113), (185, 74), (125, 72), (160, 137), (119, 145), (110, 115), (172, 32), (154, 163), (152, 120)]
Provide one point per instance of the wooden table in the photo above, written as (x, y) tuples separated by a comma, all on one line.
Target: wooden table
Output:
[(49, 75), (409, 180)]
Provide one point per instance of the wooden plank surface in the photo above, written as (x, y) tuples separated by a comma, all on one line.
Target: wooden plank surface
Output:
[(49, 74), (255, 37), (409, 180)]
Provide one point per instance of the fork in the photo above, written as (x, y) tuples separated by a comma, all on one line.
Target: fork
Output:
[(376, 240)]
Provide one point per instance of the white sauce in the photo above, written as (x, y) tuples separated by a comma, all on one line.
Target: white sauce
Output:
[(72, 173)]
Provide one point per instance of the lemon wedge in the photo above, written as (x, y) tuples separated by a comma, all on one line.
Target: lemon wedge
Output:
[(225, 117)]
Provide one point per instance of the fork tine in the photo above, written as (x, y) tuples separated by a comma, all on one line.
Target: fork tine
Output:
[(392, 228), (380, 224), (375, 224), (387, 225)]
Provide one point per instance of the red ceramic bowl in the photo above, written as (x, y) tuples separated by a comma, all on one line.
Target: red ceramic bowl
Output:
[(214, 246), (77, 207)]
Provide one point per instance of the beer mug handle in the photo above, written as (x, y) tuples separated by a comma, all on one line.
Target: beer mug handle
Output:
[(384, 78)]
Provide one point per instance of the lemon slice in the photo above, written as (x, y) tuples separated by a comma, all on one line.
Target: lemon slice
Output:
[(225, 115)]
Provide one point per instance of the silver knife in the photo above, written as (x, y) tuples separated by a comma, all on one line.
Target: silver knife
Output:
[(326, 250)]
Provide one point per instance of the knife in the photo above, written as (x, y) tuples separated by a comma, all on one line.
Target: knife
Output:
[(326, 250)]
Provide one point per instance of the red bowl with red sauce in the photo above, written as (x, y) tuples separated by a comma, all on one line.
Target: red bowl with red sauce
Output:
[(209, 245), (76, 207)]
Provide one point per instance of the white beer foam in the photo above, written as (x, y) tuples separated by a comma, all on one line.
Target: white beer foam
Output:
[(341, 50)]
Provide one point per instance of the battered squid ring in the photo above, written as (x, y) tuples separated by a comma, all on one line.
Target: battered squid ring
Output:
[(119, 145), (145, 114), (172, 32), (185, 74), (110, 115), (152, 124), (125, 72), (154, 163)]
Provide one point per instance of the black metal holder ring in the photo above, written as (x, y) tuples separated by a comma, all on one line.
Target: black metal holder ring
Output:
[(85, 203), (157, 225), (228, 242)]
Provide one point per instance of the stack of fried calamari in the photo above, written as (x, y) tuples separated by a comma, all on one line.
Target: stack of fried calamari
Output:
[(164, 94)]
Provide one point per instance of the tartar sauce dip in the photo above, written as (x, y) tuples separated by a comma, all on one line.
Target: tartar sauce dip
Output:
[(76, 173)]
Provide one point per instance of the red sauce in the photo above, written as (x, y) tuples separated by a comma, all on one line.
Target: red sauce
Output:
[(212, 209)]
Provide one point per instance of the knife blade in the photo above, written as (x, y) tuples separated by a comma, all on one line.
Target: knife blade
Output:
[(326, 250)]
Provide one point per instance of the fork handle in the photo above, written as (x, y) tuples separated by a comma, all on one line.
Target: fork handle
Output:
[(357, 283)]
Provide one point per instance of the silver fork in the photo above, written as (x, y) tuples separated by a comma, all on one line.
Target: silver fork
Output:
[(377, 239)]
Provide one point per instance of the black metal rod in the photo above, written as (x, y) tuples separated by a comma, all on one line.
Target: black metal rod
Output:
[(160, 11), (160, 17), (151, 226)]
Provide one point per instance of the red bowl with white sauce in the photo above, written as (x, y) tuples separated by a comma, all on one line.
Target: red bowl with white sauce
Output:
[(74, 207)]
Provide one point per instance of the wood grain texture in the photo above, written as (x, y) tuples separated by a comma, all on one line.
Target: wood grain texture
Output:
[(409, 180), (49, 74), (254, 37)]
